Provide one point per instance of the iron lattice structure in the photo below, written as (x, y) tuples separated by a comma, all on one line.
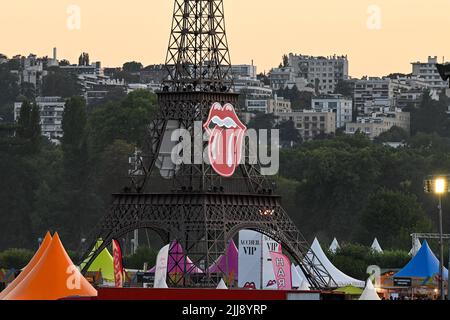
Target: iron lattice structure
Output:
[(191, 203)]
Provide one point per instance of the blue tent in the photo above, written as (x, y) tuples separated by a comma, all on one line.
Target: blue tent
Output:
[(423, 265)]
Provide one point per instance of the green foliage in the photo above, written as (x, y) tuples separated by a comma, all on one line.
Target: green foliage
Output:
[(142, 255), (393, 216), (15, 258), (431, 116), (289, 135), (132, 66), (9, 88), (395, 134), (262, 121), (353, 259), (124, 120), (344, 87), (299, 99), (60, 83)]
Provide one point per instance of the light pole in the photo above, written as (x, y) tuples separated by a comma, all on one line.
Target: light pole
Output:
[(439, 185)]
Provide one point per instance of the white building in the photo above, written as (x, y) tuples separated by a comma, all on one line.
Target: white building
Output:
[(244, 71), (270, 105), (51, 114), (321, 72), (340, 105), (379, 122), (428, 72), (280, 77), (310, 123), (372, 91)]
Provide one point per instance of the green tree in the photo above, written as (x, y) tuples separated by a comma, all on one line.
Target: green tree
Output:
[(395, 134), (262, 121), (60, 83), (132, 67), (289, 135), (392, 216), (344, 87), (125, 120)]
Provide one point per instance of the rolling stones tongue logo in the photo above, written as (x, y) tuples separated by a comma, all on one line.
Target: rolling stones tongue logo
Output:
[(226, 135)]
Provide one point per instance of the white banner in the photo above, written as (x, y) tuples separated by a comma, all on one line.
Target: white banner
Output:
[(250, 254), (161, 268), (269, 245)]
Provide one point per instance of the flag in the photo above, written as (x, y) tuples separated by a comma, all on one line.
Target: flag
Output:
[(118, 266), (282, 270)]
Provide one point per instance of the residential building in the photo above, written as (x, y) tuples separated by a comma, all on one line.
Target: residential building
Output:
[(51, 113), (310, 123), (243, 71), (380, 122), (156, 73), (280, 77), (337, 103), (321, 72), (271, 105), (428, 72), (371, 91)]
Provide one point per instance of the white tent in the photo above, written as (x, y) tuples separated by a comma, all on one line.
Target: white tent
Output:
[(222, 285), (416, 247), (304, 286), (300, 272), (338, 276), (369, 293), (376, 246), (296, 278), (334, 246)]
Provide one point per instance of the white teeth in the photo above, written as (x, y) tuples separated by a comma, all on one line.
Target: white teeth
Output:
[(227, 122), (230, 150)]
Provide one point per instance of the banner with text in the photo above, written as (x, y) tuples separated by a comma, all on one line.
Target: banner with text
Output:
[(249, 264)]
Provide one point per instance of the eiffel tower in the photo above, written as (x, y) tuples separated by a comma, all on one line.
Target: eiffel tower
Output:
[(192, 203)]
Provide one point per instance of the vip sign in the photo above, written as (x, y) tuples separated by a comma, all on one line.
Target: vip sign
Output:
[(269, 280), (226, 136), (249, 263)]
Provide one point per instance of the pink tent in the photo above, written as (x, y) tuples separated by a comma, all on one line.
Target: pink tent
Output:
[(176, 261), (229, 267)]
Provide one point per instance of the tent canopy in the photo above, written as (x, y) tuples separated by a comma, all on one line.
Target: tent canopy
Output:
[(53, 277), (369, 293), (338, 276), (376, 246), (334, 246), (29, 267), (104, 263), (350, 290), (423, 265)]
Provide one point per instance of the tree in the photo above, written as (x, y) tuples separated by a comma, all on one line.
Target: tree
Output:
[(60, 83), (392, 216), (262, 121), (289, 135), (64, 63), (431, 116), (132, 67), (344, 87), (23, 122), (395, 134), (125, 120), (285, 62), (9, 88), (83, 60)]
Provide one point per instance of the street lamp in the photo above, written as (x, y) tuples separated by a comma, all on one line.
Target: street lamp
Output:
[(439, 185)]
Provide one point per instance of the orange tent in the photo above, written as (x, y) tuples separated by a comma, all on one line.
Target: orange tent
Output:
[(37, 256), (54, 277)]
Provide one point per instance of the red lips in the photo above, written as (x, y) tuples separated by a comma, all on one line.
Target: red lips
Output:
[(226, 135)]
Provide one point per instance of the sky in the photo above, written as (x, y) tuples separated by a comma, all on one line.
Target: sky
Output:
[(378, 36)]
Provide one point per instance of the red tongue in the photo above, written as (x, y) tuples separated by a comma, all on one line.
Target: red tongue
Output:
[(222, 150)]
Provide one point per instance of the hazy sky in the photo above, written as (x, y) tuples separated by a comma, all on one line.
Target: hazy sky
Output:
[(116, 31)]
